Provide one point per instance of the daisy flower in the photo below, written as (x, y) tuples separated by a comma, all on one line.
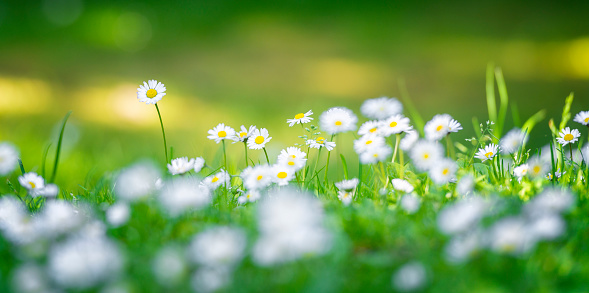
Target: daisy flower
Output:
[(337, 120), (567, 136), (381, 108), (425, 154), (347, 185), (256, 177), (376, 154), (585, 154), (369, 127), (393, 125), (410, 138), (8, 158), (214, 181), (487, 152), (244, 134), (582, 117), (249, 196), (512, 141), (537, 167), (443, 171), (221, 132), (320, 142), (199, 163), (151, 92), (32, 182), (466, 185), (282, 174), (454, 126), (184, 193), (437, 128), (300, 118), (410, 203), (345, 197), (293, 157), (260, 138), (180, 165), (402, 185), (368, 141), (521, 171)]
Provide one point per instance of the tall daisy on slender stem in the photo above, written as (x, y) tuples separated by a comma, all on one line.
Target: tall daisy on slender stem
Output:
[(242, 136), (568, 136), (258, 140), (219, 134), (152, 92)]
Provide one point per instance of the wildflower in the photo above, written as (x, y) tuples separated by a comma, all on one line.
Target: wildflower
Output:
[(402, 185), (454, 126), (249, 196), (410, 277), (221, 178), (425, 153), (510, 235), (218, 247), (521, 171), (410, 138), (184, 193), (345, 197), (320, 142), (337, 120), (369, 127), (487, 152), (50, 190), (169, 266), (210, 279), (410, 203), (582, 117), (30, 278), (466, 185), (282, 174), (57, 218), (151, 92), (300, 118), (347, 185), (443, 171), (260, 138), (118, 214), (257, 177), (180, 165), (462, 215), (437, 128), (461, 247), (537, 167), (32, 182), (293, 157), (221, 132), (376, 154), (512, 141), (546, 226), (585, 154), (367, 142), (381, 108), (393, 125), (137, 181), (567, 136), (243, 134), (8, 158), (199, 163), (551, 200)]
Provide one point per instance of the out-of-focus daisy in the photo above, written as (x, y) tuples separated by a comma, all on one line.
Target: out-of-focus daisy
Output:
[(282, 174), (221, 178), (512, 141), (345, 196), (402, 185), (50, 190), (218, 247), (184, 193), (381, 108), (198, 164), (487, 153), (410, 138), (376, 154), (137, 181), (368, 141), (582, 117), (8, 158), (32, 182), (243, 134), (118, 214), (169, 265), (369, 127), (410, 203), (567, 136), (347, 185), (258, 139), (410, 277), (437, 128), (393, 125), (510, 235), (466, 185), (249, 196), (537, 167), (293, 157), (180, 165), (585, 154), (521, 171), (425, 153), (337, 120), (454, 126), (320, 142), (221, 132), (300, 118), (443, 171), (462, 215), (257, 177), (151, 92)]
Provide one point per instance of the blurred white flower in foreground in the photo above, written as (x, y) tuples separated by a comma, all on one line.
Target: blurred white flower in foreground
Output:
[(410, 203), (137, 181), (381, 108), (410, 277), (182, 194), (118, 214), (169, 266), (218, 247), (8, 158)]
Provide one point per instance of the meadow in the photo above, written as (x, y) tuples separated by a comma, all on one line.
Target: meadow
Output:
[(375, 198)]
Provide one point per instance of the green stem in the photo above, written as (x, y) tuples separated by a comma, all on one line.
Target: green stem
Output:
[(163, 132), (58, 150), (327, 164), (245, 147), (450, 147), (397, 141), (316, 163), (224, 156), (266, 153), (402, 163)]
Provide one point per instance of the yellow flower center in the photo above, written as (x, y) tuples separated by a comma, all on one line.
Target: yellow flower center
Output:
[(259, 139), (373, 130), (32, 184), (260, 177), (248, 196), (291, 163), (222, 133), (369, 142), (338, 123), (346, 195), (489, 154), (393, 124), (426, 156), (320, 139), (587, 120), (536, 169), (439, 128), (299, 116), (242, 134), (293, 156), (375, 155), (281, 175), (215, 179), (568, 137), (151, 93), (445, 171)]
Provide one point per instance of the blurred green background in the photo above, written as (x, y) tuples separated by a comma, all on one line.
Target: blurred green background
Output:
[(261, 62)]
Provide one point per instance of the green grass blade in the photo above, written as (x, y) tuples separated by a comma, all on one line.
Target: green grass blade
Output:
[(515, 115), (44, 160), (413, 113), (490, 87), (503, 102), (58, 151), (345, 165), (532, 121), (566, 111)]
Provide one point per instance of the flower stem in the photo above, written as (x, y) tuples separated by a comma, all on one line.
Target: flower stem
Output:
[(266, 153), (163, 132), (397, 141), (224, 156), (327, 164), (245, 147)]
